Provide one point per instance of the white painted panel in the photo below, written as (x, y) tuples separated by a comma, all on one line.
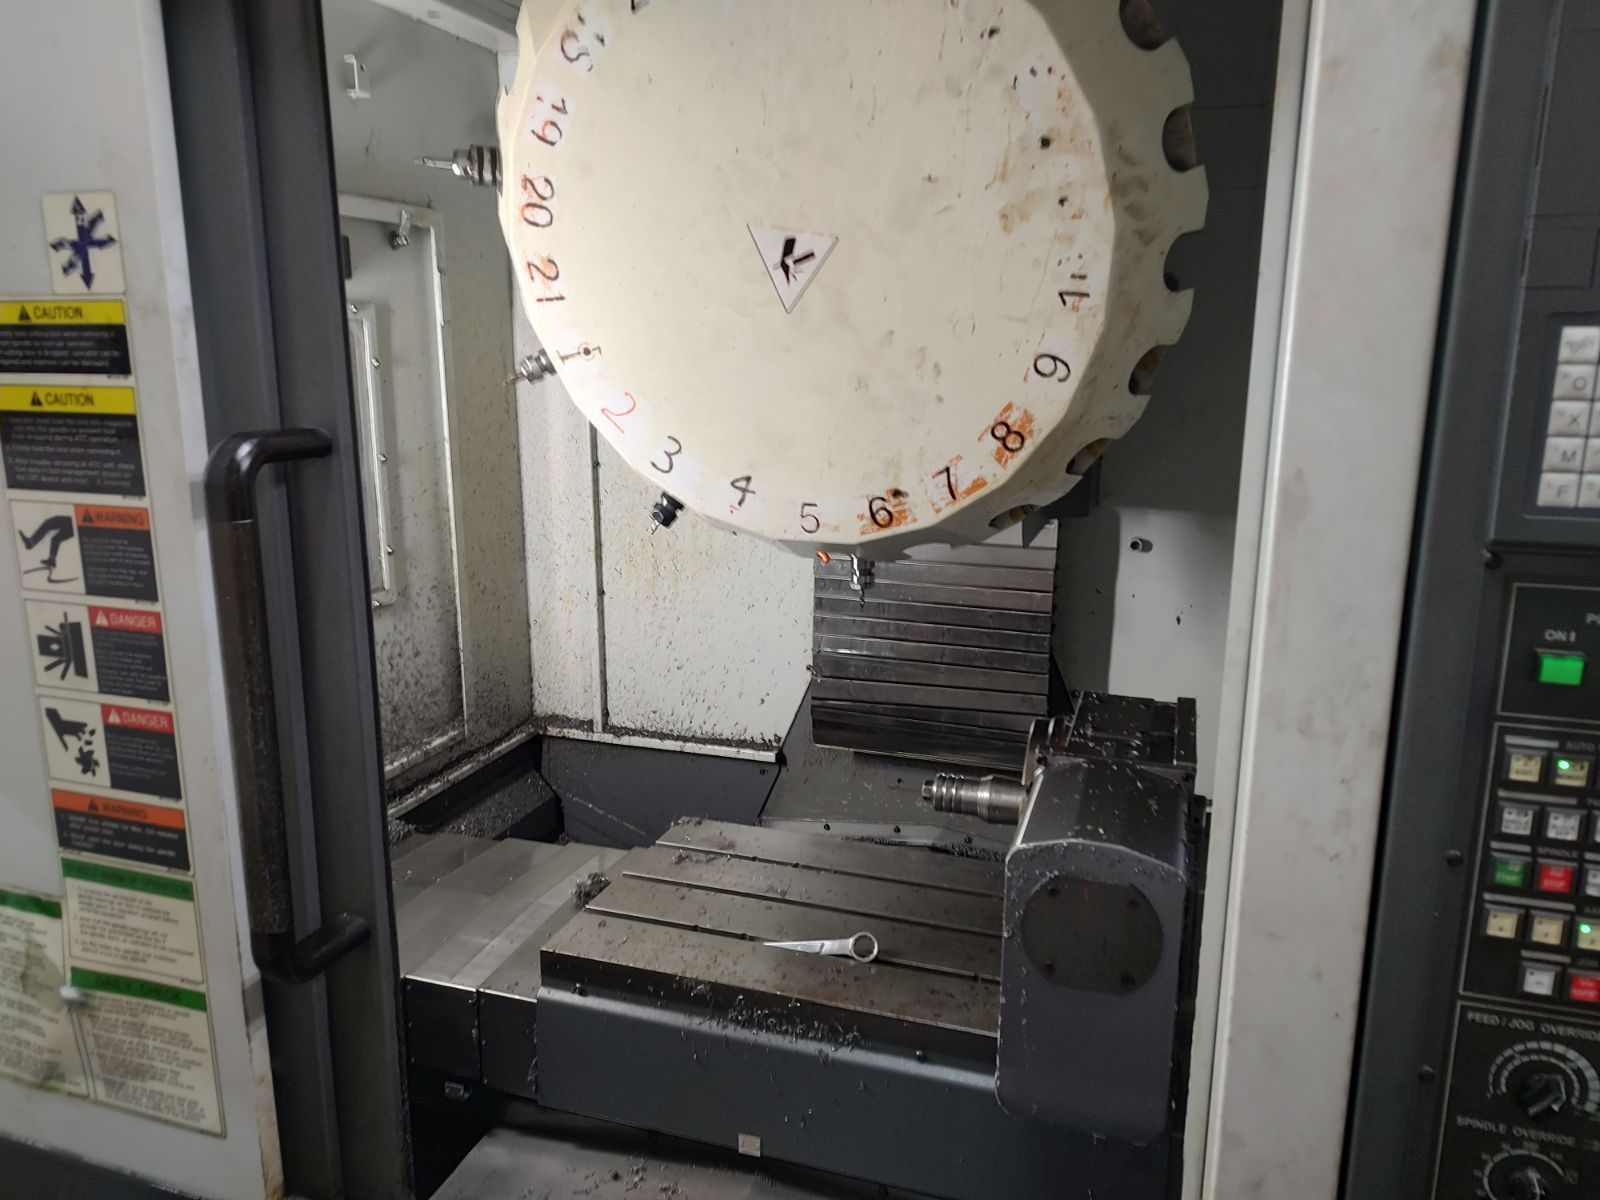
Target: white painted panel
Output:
[(28, 844), (1147, 622), (430, 93), (1374, 188), (708, 633), (113, 130), (558, 500)]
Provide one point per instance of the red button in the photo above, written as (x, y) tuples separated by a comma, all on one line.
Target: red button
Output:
[(1557, 877), (1585, 989)]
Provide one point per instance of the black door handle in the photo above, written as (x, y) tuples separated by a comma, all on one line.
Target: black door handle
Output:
[(231, 476)]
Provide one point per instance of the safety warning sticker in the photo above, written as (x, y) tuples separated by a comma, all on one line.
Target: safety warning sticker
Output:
[(84, 549), (149, 1048), (110, 745), (132, 921), (37, 1043), (134, 831), (113, 651), (60, 337), (71, 439), (80, 231)]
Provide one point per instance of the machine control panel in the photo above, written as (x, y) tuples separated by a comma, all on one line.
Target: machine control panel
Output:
[(1522, 1115), (1524, 1110), (1536, 931), (1485, 955), (1568, 475)]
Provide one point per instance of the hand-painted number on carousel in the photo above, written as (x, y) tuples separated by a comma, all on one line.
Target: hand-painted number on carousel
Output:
[(669, 454), (615, 417), (1011, 438), (537, 193), (1052, 367), (550, 112)]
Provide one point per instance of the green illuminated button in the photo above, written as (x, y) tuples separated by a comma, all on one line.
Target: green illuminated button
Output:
[(1560, 667), (1510, 872)]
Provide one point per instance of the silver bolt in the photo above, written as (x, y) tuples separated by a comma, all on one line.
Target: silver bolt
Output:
[(375, 361), (388, 549)]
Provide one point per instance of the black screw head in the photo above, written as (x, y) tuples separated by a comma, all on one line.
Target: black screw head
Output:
[(666, 510), (1455, 858)]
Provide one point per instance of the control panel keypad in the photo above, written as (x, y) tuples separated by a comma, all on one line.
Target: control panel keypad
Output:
[(1538, 928), (1569, 475)]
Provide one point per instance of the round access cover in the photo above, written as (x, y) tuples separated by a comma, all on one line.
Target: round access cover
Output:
[(851, 274)]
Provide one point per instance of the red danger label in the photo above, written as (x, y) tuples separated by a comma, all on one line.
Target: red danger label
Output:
[(128, 619), (137, 718)]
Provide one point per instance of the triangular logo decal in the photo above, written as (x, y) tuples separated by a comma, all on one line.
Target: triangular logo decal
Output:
[(793, 259)]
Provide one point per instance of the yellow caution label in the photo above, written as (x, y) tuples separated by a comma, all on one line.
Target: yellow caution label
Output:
[(63, 312), (65, 399)]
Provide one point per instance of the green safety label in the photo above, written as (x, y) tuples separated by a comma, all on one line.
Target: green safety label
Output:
[(23, 902), (132, 881), (138, 989)]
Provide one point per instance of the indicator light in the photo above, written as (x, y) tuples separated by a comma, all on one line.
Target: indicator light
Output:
[(1561, 668)]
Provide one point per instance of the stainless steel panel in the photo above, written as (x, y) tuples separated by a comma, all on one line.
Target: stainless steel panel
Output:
[(903, 650), (885, 670), (935, 743), (933, 614), (524, 902), (952, 574), (1003, 725), (420, 862), (541, 1155), (862, 622), (518, 974), (895, 864), (890, 693), (794, 885), (928, 593), (449, 904)]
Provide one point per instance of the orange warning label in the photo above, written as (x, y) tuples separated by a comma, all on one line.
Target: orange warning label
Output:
[(117, 518), (152, 835), (118, 810)]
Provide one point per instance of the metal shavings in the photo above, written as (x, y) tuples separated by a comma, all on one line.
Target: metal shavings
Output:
[(587, 887)]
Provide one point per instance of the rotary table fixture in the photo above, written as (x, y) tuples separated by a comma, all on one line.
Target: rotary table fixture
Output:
[(852, 275)]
